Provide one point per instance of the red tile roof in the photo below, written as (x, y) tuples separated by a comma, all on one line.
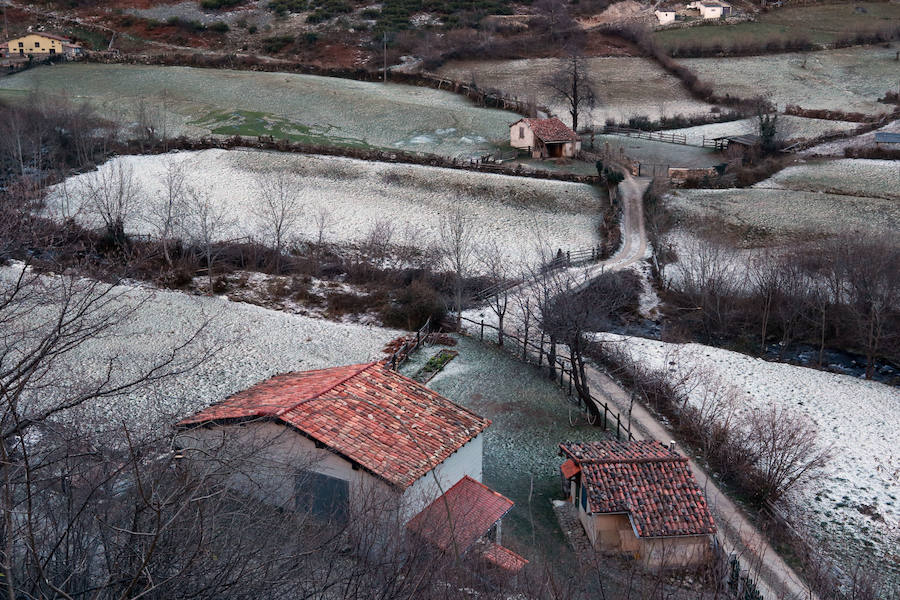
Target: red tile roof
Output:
[(551, 130), (503, 557), (390, 425), (461, 516), (570, 469), (651, 483)]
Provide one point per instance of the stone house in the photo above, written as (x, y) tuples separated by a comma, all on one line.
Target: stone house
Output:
[(640, 499), (353, 443), (544, 138), (40, 45)]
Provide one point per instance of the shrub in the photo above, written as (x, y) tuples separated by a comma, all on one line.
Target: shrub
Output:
[(412, 306), (275, 44), (219, 27), (219, 4)]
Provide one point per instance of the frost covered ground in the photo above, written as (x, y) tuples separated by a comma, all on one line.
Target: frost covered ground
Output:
[(836, 147), (626, 86), (852, 177), (785, 213), (849, 79), (856, 418), (514, 212), (789, 128), (530, 418), (660, 153), (191, 101), (247, 344)]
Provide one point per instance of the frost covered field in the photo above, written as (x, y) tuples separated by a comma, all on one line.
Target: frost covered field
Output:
[(191, 101), (849, 79), (247, 344), (512, 211), (769, 208), (789, 128), (852, 177), (627, 86), (857, 418)]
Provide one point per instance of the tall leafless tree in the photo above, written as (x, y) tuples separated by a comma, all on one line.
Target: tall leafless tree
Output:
[(113, 196), (167, 210), (458, 242), (206, 224), (279, 210), (573, 85)]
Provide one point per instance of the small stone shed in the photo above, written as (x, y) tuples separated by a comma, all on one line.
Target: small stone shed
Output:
[(639, 498), (544, 138), (355, 444)]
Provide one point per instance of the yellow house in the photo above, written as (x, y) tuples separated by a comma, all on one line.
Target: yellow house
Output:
[(35, 44)]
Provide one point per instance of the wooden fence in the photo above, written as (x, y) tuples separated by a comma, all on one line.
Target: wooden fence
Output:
[(569, 258), (409, 346), (559, 368), (656, 136)]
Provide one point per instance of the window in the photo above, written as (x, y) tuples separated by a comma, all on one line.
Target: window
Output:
[(52, 51), (584, 498), (322, 495), (521, 132), (37, 44), (21, 44)]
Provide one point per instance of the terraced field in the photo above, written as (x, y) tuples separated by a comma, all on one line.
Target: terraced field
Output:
[(194, 102), (850, 79), (626, 86)]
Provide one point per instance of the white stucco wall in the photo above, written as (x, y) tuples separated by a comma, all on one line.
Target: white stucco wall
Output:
[(665, 16), (269, 455), (521, 142), (465, 461)]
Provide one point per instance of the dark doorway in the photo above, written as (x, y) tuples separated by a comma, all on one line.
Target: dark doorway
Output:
[(322, 496)]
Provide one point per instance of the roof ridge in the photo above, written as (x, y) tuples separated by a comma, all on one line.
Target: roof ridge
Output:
[(324, 390), (643, 459)]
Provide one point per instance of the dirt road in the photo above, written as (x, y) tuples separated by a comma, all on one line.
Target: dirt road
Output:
[(775, 579)]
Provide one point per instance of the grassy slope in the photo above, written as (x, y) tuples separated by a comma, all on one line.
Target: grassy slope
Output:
[(820, 24)]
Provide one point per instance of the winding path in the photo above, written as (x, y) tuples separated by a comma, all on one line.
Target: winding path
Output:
[(775, 578)]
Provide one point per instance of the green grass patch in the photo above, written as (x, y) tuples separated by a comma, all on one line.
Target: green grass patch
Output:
[(248, 123), (434, 365), (819, 24)]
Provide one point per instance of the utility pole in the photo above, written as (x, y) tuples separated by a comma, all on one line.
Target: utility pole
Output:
[(384, 50)]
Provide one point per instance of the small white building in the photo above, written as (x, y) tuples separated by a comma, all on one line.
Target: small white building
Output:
[(712, 9), (354, 443), (544, 138), (665, 16)]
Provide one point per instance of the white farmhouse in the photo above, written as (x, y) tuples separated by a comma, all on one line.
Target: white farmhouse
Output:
[(712, 9), (665, 16), (353, 443)]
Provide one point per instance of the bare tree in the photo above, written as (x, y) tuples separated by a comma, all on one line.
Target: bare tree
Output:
[(787, 452), (206, 223), (279, 210), (498, 272), (457, 239), (166, 211), (573, 85), (112, 195)]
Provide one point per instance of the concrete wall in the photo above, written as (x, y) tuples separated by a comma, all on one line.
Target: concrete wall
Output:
[(521, 136), (268, 456), (665, 16)]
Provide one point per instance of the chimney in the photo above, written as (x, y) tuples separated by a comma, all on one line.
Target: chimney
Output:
[(672, 445)]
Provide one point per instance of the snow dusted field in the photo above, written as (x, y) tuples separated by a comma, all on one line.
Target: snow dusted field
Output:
[(857, 418), (836, 147), (788, 213), (789, 126), (192, 101), (854, 177), (626, 86), (247, 344), (513, 212), (849, 79)]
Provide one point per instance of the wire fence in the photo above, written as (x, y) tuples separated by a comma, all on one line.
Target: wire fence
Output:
[(559, 368)]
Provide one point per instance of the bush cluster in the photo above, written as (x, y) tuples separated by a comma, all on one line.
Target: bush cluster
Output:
[(678, 121), (219, 4)]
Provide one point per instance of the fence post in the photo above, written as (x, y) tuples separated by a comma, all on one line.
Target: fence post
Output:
[(541, 350), (605, 410), (618, 426), (570, 383), (525, 345), (482, 330)]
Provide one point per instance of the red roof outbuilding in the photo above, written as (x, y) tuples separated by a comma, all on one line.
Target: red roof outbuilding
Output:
[(646, 480), (388, 424), (550, 130)]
